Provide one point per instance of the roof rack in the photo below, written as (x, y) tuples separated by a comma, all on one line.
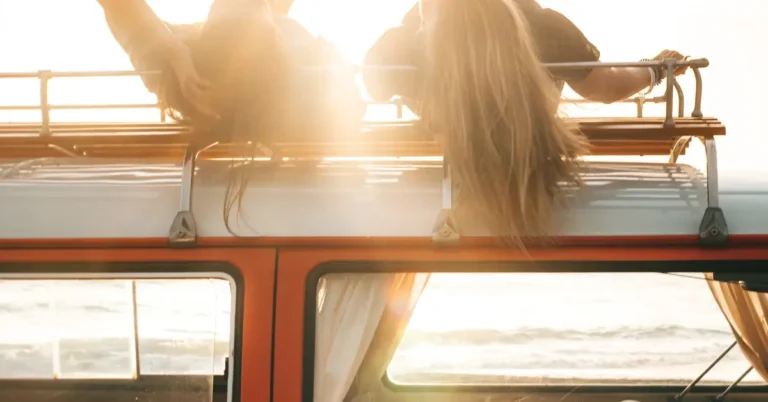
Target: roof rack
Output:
[(668, 135)]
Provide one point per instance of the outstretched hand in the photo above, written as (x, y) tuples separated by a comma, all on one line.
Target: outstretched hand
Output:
[(193, 86), (672, 54)]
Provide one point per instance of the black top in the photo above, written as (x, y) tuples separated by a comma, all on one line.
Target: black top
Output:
[(557, 39)]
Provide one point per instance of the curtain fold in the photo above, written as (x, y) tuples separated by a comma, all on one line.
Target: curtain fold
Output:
[(746, 312), (358, 312), (404, 295)]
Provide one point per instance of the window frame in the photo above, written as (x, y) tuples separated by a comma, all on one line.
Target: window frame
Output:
[(531, 266), (138, 270)]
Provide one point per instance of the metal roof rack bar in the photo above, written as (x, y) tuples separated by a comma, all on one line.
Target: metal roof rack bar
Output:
[(445, 229), (728, 390), (713, 230), (712, 365), (45, 76), (183, 231)]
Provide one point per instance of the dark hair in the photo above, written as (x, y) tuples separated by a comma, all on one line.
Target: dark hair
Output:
[(246, 62), (256, 90)]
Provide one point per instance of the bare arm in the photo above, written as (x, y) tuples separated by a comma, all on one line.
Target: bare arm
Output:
[(151, 45), (560, 41), (137, 29), (281, 6), (608, 85)]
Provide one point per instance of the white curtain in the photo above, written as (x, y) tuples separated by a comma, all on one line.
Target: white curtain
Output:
[(349, 309), (350, 312), (747, 312)]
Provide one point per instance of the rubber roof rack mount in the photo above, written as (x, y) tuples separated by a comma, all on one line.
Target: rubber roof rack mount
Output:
[(669, 135)]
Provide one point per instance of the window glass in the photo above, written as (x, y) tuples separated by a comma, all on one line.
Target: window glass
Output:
[(566, 328), (170, 311), (521, 329), (83, 329)]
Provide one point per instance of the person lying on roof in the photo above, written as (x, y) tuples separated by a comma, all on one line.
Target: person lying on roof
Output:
[(234, 78), (482, 89), (555, 39), (240, 77)]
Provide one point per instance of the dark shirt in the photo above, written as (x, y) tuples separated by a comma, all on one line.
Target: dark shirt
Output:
[(557, 39)]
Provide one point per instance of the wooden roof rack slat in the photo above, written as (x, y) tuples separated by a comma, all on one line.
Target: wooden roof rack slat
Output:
[(667, 135), (629, 131)]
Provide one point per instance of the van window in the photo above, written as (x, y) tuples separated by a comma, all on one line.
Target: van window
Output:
[(528, 330), (171, 336), (566, 329)]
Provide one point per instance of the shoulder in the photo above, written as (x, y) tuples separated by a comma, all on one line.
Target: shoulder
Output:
[(559, 39)]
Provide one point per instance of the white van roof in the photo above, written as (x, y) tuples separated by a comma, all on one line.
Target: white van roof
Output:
[(71, 198)]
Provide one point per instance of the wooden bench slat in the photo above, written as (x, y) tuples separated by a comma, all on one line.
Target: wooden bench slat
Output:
[(85, 128), (608, 136), (223, 152)]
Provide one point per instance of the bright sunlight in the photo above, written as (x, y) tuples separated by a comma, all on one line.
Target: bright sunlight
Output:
[(72, 35)]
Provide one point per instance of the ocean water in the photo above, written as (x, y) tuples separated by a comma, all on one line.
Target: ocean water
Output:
[(84, 328), (639, 327), (525, 327)]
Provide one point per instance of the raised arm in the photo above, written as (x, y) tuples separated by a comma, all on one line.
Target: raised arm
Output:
[(137, 29), (151, 45)]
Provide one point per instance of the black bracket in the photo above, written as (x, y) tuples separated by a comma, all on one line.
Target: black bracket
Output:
[(446, 228), (183, 231), (713, 230)]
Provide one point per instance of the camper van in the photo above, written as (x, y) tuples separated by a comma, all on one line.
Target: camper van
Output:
[(343, 274)]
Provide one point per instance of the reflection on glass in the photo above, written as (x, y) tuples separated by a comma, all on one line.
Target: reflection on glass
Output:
[(92, 328), (183, 326), (566, 328), (85, 328), (25, 337)]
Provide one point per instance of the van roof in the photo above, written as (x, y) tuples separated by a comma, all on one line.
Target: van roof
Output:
[(71, 198)]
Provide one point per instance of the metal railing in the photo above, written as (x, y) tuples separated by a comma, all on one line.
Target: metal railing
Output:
[(673, 88), (713, 229)]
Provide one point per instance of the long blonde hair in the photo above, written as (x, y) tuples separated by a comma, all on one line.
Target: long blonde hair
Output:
[(492, 101)]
